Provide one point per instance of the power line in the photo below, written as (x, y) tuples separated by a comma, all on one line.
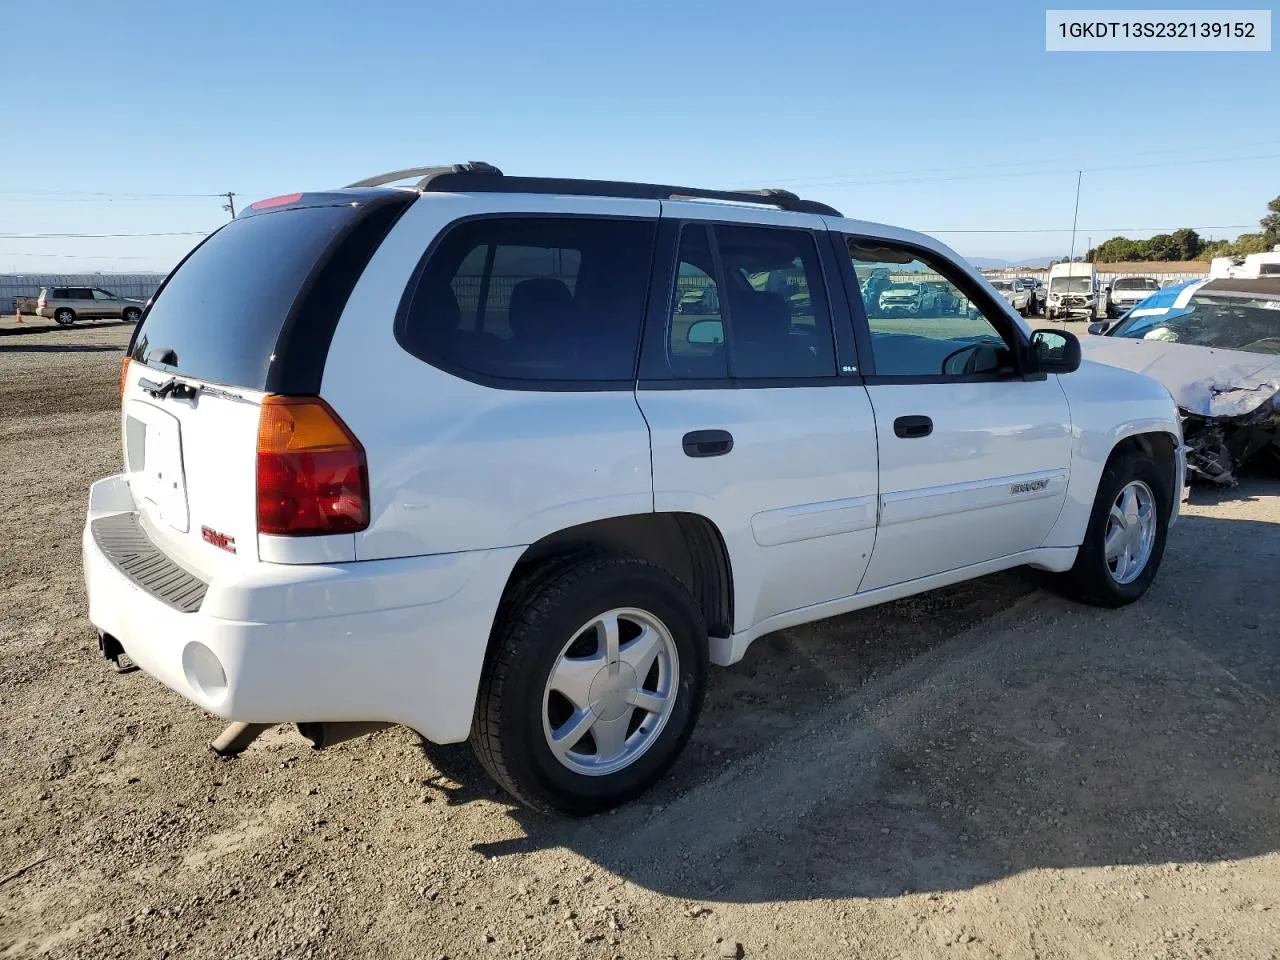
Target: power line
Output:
[(853, 182), (43, 191), (1069, 161), (99, 236), (1237, 226)]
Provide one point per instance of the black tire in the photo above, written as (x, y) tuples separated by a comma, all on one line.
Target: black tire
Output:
[(1090, 580), (131, 315), (64, 317), (532, 627)]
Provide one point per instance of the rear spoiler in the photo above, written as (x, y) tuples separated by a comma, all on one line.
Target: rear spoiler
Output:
[(330, 198)]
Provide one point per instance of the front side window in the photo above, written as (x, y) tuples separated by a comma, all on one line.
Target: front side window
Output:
[(103, 295), (922, 324), (533, 299), (756, 311)]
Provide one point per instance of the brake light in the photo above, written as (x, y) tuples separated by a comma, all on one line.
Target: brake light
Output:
[(124, 374), (281, 201), (312, 474)]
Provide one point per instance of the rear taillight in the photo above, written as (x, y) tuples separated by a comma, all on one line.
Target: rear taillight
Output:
[(312, 475), (124, 374)]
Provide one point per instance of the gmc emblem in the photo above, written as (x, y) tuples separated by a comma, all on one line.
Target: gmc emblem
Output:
[(220, 540)]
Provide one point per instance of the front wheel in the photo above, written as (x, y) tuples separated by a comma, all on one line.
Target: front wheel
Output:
[(1125, 539), (593, 684), (131, 315), (64, 317)]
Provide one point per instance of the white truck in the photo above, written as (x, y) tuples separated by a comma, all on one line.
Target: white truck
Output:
[(1127, 291)]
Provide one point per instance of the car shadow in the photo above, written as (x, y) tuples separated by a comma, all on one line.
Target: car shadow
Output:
[(953, 739), (60, 348)]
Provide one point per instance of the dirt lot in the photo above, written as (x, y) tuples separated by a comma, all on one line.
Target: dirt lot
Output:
[(986, 772)]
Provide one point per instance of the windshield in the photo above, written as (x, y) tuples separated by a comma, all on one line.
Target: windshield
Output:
[(1071, 285), (1135, 283), (902, 288), (1002, 284), (1251, 324)]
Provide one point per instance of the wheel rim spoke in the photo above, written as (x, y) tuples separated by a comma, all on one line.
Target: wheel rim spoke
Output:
[(648, 701), (1118, 517), (568, 735), (573, 677), (1114, 543), (610, 737), (642, 651), (607, 629)]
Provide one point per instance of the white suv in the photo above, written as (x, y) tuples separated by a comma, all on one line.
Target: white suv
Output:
[(482, 456)]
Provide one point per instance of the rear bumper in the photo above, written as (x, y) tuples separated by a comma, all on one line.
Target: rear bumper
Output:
[(400, 641)]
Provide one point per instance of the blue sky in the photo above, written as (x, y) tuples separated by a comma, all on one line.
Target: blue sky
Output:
[(940, 116)]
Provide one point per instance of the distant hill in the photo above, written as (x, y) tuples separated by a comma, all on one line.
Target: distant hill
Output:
[(995, 263)]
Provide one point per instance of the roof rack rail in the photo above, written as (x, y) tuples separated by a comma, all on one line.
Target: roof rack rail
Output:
[(426, 173), (480, 177)]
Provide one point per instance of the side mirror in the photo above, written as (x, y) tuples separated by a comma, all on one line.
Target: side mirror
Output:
[(1099, 327), (705, 332), (1054, 351)]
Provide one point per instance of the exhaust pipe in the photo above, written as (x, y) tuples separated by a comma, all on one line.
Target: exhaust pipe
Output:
[(324, 735), (233, 740)]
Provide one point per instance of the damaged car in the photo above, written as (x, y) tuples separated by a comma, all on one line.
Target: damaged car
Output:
[(1215, 344)]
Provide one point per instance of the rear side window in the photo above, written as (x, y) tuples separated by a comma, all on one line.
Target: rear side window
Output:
[(220, 315), (754, 309), (532, 299)]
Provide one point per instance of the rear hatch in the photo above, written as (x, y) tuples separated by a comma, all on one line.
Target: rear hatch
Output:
[(249, 313)]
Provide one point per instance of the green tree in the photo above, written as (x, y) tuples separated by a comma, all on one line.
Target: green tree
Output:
[(1188, 243), (1271, 223), (1162, 247)]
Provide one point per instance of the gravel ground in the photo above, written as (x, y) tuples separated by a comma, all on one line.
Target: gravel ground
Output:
[(988, 771)]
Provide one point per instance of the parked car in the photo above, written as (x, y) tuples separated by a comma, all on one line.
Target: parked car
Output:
[(1215, 344), (1127, 291), (1038, 294), (1017, 293), (909, 298), (366, 483), (66, 305)]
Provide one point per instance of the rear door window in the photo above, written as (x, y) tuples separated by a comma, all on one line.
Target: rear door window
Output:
[(754, 309), (532, 299), (220, 315)]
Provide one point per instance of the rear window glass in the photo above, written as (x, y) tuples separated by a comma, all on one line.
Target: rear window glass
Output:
[(533, 299), (219, 316)]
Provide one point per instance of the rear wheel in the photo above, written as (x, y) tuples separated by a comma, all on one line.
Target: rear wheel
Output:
[(1124, 543), (593, 684), (65, 316), (131, 315)]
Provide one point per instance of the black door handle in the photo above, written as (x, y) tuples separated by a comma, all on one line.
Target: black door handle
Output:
[(707, 443), (910, 427)]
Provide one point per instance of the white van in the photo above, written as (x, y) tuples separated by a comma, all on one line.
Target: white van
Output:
[(1073, 291)]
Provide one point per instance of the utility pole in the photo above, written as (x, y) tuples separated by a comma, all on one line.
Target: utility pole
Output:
[(231, 203)]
